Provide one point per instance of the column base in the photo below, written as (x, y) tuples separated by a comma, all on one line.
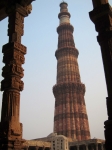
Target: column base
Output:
[(10, 137), (6, 144)]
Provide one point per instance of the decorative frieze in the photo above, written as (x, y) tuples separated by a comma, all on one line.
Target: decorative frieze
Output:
[(64, 51), (65, 26), (69, 87), (70, 115)]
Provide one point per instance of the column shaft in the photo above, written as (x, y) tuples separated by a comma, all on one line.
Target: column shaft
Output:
[(11, 85), (103, 24), (86, 147)]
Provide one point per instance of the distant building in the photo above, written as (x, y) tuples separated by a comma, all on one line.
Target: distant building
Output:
[(59, 142)]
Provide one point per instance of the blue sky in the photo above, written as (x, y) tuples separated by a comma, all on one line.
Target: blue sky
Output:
[(40, 37)]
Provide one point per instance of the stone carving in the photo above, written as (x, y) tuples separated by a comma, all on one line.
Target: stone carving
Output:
[(29, 8), (69, 87), (66, 51), (102, 18), (11, 85)]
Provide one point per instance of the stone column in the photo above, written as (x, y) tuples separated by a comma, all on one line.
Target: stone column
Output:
[(96, 146), (86, 147), (102, 18), (37, 147), (102, 147), (91, 147), (77, 147), (43, 148), (11, 85), (99, 2)]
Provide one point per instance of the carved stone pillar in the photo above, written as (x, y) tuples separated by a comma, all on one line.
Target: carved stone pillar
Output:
[(96, 146), (37, 147), (43, 148), (13, 51), (102, 18), (102, 147), (99, 2), (77, 147), (86, 147), (91, 147)]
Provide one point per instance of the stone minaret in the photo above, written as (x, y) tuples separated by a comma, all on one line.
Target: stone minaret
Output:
[(70, 118)]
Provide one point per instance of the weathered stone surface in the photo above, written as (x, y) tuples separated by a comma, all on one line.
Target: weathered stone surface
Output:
[(11, 85), (70, 117), (102, 18)]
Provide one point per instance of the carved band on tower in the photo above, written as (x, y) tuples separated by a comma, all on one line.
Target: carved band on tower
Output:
[(70, 118)]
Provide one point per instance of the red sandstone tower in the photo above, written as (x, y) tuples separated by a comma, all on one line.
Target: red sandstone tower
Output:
[(70, 118)]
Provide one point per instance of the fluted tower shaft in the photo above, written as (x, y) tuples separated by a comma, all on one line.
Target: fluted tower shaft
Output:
[(70, 118)]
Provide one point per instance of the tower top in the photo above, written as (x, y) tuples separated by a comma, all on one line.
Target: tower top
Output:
[(63, 3), (63, 7), (64, 15)]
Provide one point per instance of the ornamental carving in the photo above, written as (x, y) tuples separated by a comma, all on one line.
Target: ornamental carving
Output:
[(103, 24), (97, 13), (12, 69), (66, 51), (67, 73), (67, 61), (64, 13), (69, 87), (13, 55), (63, 101), (14, 45), (71, 115), (12, 83), (65, 26)]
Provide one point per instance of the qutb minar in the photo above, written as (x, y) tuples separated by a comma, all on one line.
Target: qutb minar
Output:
[(71, 127), (70, 118)]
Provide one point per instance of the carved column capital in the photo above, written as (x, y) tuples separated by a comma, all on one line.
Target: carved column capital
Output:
[(102, 146), (24, 11), (97, 3), (6, 7)]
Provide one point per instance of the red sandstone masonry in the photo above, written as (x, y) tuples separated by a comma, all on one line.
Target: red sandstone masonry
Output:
[(70, 118)]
